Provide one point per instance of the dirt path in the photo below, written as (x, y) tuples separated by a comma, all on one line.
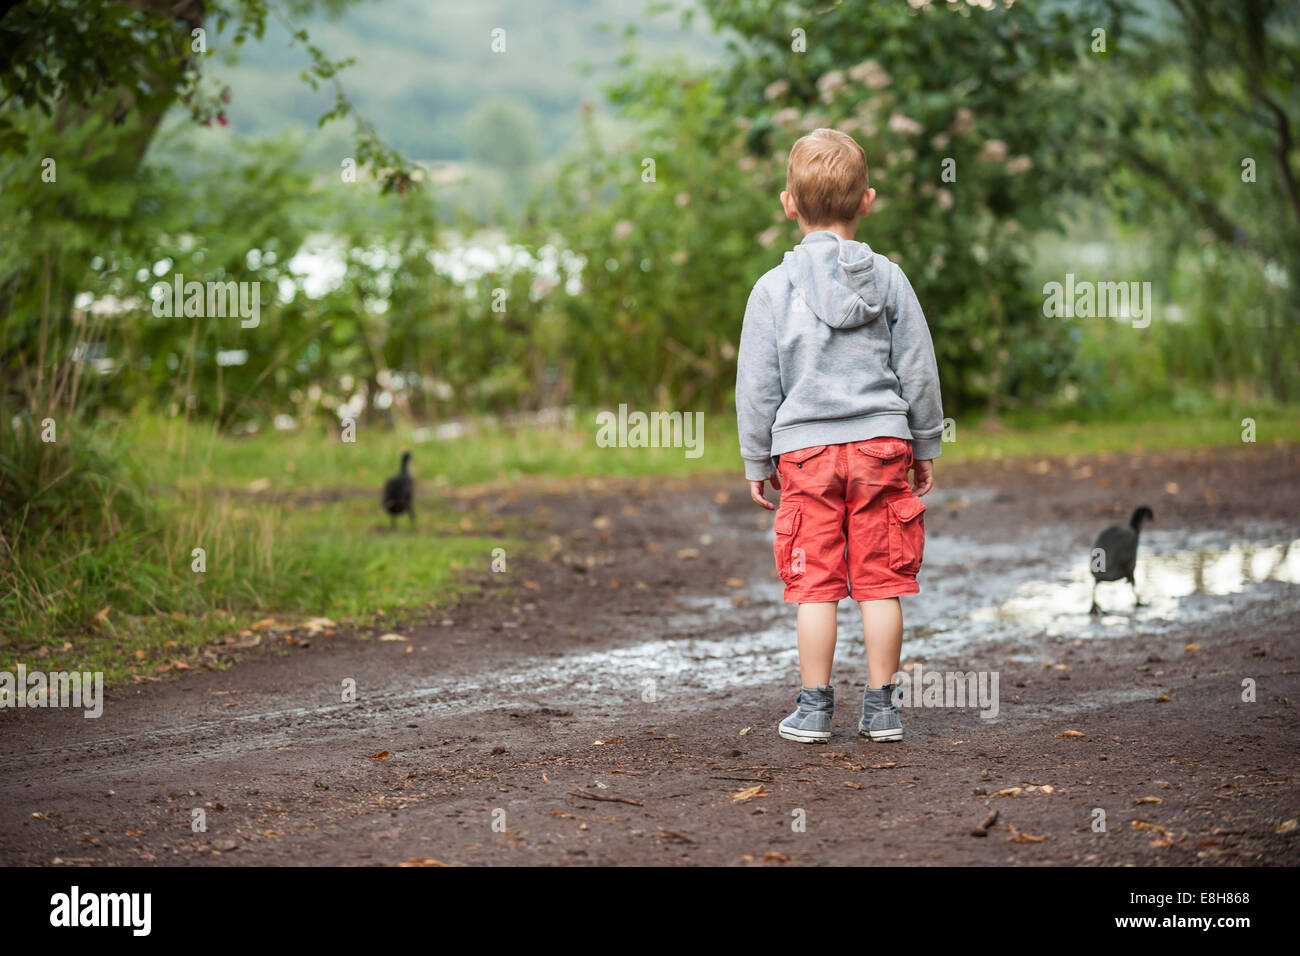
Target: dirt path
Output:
[(608, 701)]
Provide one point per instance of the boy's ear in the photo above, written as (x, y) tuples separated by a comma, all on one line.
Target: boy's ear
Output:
[(867, 199), (787, 203)]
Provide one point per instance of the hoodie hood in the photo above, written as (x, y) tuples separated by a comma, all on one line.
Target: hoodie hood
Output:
[(836, 278)]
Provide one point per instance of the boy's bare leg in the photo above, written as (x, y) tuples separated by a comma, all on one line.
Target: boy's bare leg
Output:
[(882, 629), (816, 642)]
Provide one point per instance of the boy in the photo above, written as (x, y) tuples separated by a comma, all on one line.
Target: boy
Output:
[(837, 398)]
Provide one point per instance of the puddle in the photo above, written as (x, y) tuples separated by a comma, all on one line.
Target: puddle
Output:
[(973, 592), (1040, 597), (1177, 587)]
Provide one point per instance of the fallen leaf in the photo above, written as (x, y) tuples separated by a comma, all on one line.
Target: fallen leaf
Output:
[(611, 740), (1287, 826), (1163, 699), (1068, 733), (381, 754), (749, 793), (1190, 648), (416, 861), (1150, 800), (1026, 838), (1009, 792), (391, 638), (775, 858), (1144, 825)]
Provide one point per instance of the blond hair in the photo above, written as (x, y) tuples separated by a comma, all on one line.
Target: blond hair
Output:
[(827, 176)]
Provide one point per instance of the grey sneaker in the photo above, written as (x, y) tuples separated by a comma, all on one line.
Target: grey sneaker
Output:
[(880, 720), (811, 721)]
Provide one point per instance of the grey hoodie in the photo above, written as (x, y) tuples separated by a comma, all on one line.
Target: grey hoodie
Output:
[(834, 349)]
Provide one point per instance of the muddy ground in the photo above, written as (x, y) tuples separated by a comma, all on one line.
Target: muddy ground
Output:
[(612, 699)]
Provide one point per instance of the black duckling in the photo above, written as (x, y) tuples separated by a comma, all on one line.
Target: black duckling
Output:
[(399, 492), (1119, 548)]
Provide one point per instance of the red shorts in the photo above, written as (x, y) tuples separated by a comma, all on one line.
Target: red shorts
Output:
[(848, 522)]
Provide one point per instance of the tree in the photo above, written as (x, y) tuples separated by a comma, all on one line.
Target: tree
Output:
[(503, 135)]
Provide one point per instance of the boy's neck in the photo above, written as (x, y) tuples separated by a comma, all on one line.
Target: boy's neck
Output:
[(845, 230)]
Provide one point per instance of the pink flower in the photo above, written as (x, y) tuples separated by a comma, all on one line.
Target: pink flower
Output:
[(964, 124), (903, 126), (776, 90), (993, 151), (828, 84), (871, 75), (1019, 165)]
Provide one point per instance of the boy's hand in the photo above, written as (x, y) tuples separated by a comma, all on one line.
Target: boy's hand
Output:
[(922, 477), (756, 492)]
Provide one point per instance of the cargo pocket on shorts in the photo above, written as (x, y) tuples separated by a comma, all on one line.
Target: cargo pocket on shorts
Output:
[(906, 533), (789, 561), (886, 450), (797, 458)]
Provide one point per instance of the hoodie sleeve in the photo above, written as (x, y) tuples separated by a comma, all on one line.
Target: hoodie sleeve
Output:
[(912, 358), (758, 387)]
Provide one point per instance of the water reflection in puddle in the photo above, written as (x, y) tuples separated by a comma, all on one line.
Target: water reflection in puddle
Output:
[(976, 592), (1164, 581)]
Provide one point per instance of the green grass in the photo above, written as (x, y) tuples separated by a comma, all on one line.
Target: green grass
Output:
[(291, 524), (310, 460), (1161, 430)]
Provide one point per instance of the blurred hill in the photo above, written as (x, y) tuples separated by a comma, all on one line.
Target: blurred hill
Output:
[(424, 69)]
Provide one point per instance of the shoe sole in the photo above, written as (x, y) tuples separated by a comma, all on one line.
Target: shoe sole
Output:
[(804, 736), (882, 735)]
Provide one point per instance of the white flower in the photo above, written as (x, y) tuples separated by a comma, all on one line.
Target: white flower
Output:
[(945, 199), (964, 124), (622, 229), (767, 237)]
